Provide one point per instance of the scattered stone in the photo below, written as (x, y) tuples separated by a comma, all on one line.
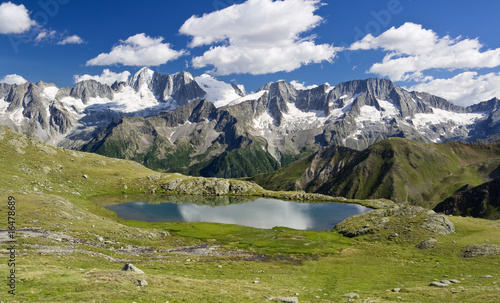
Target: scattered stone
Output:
[(427, 244), (220, 266), (394, 235), (351, 295), (483, 250), (438, 284), (454, 281), (130, 267), (396, 290), (255, 282), (100, 239), (447, 282), (154, 177), (85, 176), (486, 277), (288, 299), (141, 283)]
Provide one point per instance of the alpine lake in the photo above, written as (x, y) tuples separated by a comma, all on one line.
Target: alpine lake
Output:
[(263, 213)]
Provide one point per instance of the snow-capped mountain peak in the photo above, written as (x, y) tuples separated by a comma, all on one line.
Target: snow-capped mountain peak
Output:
[(355, 114), (218, 92)]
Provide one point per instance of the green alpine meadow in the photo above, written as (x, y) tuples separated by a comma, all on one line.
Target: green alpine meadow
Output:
[(71, 249)]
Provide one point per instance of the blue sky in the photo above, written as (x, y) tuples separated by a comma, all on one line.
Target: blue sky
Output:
[(449, 47)]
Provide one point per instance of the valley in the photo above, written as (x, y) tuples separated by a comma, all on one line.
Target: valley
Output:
[(67, 153)]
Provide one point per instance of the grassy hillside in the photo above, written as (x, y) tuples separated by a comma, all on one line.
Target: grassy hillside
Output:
[(70, 249), (396, 169), (243, 162)]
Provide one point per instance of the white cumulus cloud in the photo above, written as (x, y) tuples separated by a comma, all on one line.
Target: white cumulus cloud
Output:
[(45, 35), (14, 19), (413, 50), (138, 50), (13, 79), (71, 40), (107, 77), (301, 85), (258, 37), (464, 89)]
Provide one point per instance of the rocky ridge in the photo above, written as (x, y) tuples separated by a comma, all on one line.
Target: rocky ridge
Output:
[(277, 123)]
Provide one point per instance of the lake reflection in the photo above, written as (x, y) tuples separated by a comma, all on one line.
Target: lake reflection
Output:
[(259, 213)]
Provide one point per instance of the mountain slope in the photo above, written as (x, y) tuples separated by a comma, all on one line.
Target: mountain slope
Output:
[(396, 169), (482, 201)]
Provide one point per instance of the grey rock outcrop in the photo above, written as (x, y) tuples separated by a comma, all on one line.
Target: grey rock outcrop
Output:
[(438, 224), (211, 186), (393, 221), (480, 250)]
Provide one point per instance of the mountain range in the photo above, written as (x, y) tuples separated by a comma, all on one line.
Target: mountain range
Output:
[(203, 126)]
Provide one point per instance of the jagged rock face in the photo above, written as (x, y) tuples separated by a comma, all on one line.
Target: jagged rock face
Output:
[(181, 87), (85, 90), (70, 117), (488, 129), (28, 110)]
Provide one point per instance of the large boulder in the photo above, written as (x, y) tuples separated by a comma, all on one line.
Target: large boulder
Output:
[(483, 250)]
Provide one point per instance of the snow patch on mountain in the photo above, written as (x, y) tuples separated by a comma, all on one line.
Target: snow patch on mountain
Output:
[(50, 92), (125, 101), (218, 92), (296, 119), (373, 115), (263, 123), (3, 105), (338, 113), (253, 96), (422, 120), (388, 107)]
